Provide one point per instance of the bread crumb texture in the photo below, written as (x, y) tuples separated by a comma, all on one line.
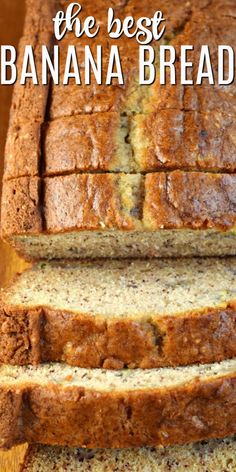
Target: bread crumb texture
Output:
[(212, 456), (115, 314)]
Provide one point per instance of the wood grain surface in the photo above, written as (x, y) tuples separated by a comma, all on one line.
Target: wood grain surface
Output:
[(11, 21)]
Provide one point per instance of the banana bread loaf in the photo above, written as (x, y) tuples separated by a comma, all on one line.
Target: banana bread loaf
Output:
[(116, 314), (78, 116), (128, 128), (65, 194)]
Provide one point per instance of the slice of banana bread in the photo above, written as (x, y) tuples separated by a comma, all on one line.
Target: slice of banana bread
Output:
[(211, 456), (56, 404), (121, 215), (116, 314)]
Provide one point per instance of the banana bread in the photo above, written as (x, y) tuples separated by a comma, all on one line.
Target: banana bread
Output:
[(97, 215), (56, 404), (211, 456), (64, 192), (116, 314), (128, 128)]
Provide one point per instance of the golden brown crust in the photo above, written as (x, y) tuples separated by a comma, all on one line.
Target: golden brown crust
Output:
[(23, 150), (10, 412), (85, 201), (166, 139), (78, 201), (100, 98), (196, 200), (83, 143), (39, 16), (93, 98), (174, 200), (178, 13), (53, 414), (188, 140), (97, 149), (29, 102), (34, 335), (206, 27), (208, 134), (202, 99), (21, 210)]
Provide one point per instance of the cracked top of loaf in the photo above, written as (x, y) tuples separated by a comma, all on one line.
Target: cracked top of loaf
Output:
[(95, 157), (126, 202), (59, 129)]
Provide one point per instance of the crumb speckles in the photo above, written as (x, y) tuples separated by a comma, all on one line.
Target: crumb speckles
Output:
[(150, 288)]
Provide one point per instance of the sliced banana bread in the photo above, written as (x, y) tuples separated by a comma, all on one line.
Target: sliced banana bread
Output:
[(211, 456), (121, 215), (116, 314), (56, 404)]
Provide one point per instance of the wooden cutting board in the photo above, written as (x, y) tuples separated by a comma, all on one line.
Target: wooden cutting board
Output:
[(11, 21)]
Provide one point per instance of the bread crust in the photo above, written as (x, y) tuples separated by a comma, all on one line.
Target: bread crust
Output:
[(166, 139), (188, 140), (197, 200), (82, 143), (21, 206), (29, 102), (75, 416), (174, 200), (42, 334), (167, 116), (87, 201), (35, 204)]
